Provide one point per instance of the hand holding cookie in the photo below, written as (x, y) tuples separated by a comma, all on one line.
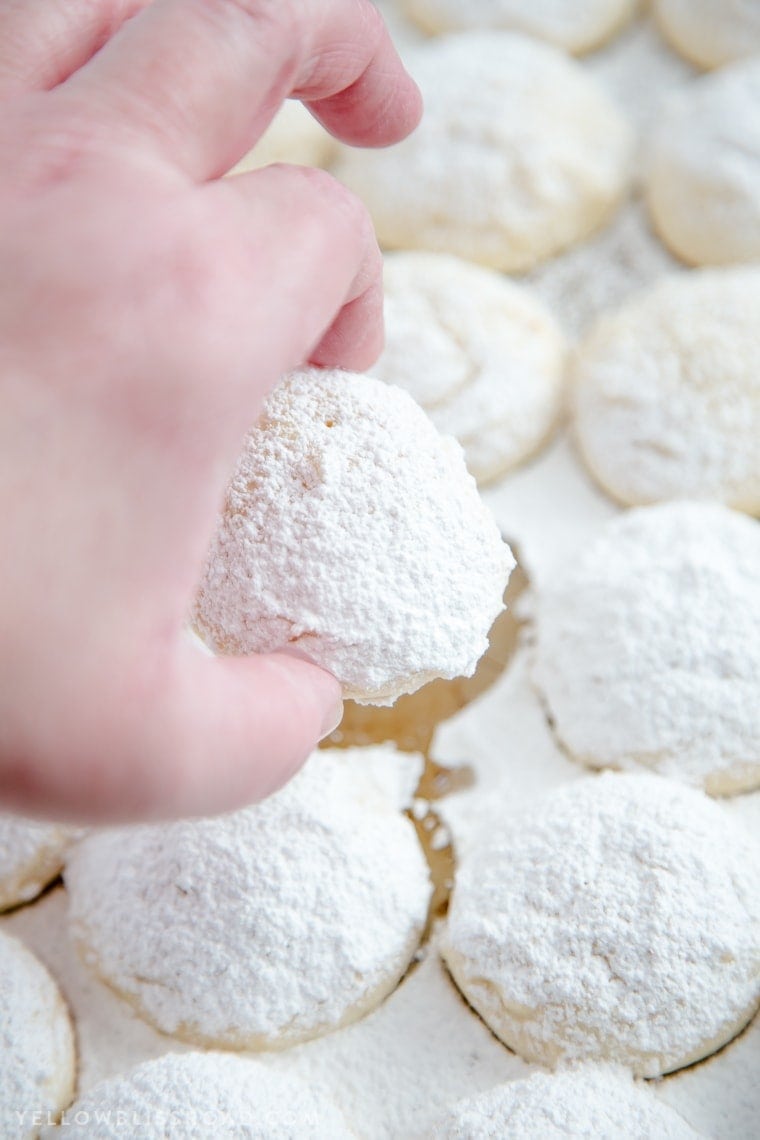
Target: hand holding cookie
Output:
[(147, 307)]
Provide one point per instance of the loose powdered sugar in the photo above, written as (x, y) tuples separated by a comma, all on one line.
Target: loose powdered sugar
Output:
[(589, 279), (639, 71), (481, 355), (599, 1101), (31, 855), (619, 921), (268, 926), (648, 649), (194, 1096), (422, 1049), (520, 154), (353, 530), (667, 392), (37, 1062)]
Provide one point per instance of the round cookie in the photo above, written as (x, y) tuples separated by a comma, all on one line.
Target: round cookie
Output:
[(265, 927), (352, 530), (194, 1096), (31, 855), (710, 32), (520, 154), (618, 920), (576, 27), (703, 168), (37, 1058), (294, 136), (599, 1101), (666, 392), (478, 353), (648, 649)]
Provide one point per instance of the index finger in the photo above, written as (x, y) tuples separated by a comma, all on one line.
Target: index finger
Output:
[(198, 81)]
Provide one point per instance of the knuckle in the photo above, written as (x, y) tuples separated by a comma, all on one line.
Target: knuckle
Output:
[(61, 139)]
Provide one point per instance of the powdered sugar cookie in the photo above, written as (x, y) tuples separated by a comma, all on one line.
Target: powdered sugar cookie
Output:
[(481, 355), (618, 921), (31, 855), (710, 32), (576, 27), (703, 168), (353, 530), (648, 650), (293, 136), (38, 1065), (667, 392), (520, 154), (194, 1096), (266, 927), (599, 1101)]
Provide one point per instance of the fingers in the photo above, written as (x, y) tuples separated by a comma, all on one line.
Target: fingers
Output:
[(197, 81), (222, 733), (43, 41), (236, 730), (313, 272), (371, 111), (354, 340)]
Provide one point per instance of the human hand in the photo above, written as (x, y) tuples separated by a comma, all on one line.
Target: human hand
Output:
[(146, 308)]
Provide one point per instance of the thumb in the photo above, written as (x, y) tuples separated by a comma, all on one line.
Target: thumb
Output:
[(198, 735), (236, 730)]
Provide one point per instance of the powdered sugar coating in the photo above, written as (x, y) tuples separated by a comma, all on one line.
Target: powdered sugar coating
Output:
[(667, 392), (37, 1061), (31, 855), (480, 354), (265, 927), (710, 32), (599, 1101), (520, 154), (576, 27), (703, 168), (618, 921), (352, 529), (648, 649), (194, 1096)]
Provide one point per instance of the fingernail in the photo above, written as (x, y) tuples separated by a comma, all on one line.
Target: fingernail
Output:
[(334, 714), (333, 719), (294, 651)]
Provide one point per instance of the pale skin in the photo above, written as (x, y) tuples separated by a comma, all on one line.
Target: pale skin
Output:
[(146, 309)]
